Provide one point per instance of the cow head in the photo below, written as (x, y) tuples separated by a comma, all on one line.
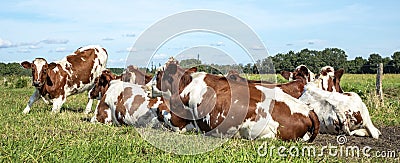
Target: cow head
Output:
[(39, 69), (173, 78), (234, 75), (329, 79), (102, 83), (301, 72)]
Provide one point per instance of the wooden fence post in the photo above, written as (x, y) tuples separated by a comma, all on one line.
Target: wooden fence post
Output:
[(379, 76)]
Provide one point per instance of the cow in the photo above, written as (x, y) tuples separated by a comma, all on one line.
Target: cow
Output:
[(109, 110), (127, 104), (123, 103), (132, 74), (213, 104), (74, 74), (330, 79), (339, 112), (291, 75)]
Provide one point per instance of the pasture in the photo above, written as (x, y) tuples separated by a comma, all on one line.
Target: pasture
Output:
[(44, 137)]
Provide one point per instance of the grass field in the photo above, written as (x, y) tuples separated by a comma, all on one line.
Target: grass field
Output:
[(68, 137)]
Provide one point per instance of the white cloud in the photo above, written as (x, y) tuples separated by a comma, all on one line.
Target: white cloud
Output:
[(161, 56), (61, 50), (257, 47), (107, 39), (23, 51), (34, 47), (55, 41), (219, 43), (6, 43)]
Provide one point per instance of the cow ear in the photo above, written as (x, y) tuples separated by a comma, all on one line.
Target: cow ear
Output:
[(339, 73), (52, 65), (26, 64), (304, 70), (193, 69), (286, 74)]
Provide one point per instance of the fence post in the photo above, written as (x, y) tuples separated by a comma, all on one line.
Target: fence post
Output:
[(379, 76)]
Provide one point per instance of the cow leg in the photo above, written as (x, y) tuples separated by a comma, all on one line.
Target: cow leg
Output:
[(57, 103), (34, 97), (360, 132), (89, 106)]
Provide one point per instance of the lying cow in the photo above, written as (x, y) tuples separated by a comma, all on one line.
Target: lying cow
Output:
[(132, 75), (310, 76), (212, 104), (74, 74), (123, 102), (338, 112)]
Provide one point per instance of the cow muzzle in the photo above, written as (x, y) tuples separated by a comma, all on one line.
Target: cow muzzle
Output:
[(37, 84)]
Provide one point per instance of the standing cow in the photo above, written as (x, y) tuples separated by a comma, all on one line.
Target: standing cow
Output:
[(73, 74)]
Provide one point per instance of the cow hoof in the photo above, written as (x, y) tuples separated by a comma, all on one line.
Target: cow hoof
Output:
[(26, 111)]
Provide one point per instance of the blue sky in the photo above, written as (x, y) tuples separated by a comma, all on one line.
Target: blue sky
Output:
[(53, 29)]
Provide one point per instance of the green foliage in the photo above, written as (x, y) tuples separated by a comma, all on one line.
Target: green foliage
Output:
[(21, 83), (116, 70), (10, 69)]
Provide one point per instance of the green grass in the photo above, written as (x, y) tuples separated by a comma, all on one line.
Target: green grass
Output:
[(68, 137)]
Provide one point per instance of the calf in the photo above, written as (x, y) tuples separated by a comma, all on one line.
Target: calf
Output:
[(213, 104), (74, 74)]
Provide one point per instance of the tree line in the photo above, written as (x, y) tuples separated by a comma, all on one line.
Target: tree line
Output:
[(314, 59)]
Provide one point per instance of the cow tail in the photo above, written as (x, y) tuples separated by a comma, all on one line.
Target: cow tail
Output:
[(315, 125)]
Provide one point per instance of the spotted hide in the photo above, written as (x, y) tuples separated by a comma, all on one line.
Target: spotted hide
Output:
[(74, 74), (122, 102), (339, 113), (213, 104), (127, 104)]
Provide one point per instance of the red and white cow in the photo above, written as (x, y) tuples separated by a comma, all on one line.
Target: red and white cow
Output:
[(73, 74), (338, 112), (124, 103), (292, 76), (132, 75), (213, 104)]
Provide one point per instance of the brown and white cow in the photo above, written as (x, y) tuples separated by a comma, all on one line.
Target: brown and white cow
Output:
[(126, 103), (338, 112), (310, 76), (114, 110), (213, 104), (132, 75), (73, 74)]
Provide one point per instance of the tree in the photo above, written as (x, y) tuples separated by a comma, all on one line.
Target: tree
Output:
[(373, 61), (396, 61)]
